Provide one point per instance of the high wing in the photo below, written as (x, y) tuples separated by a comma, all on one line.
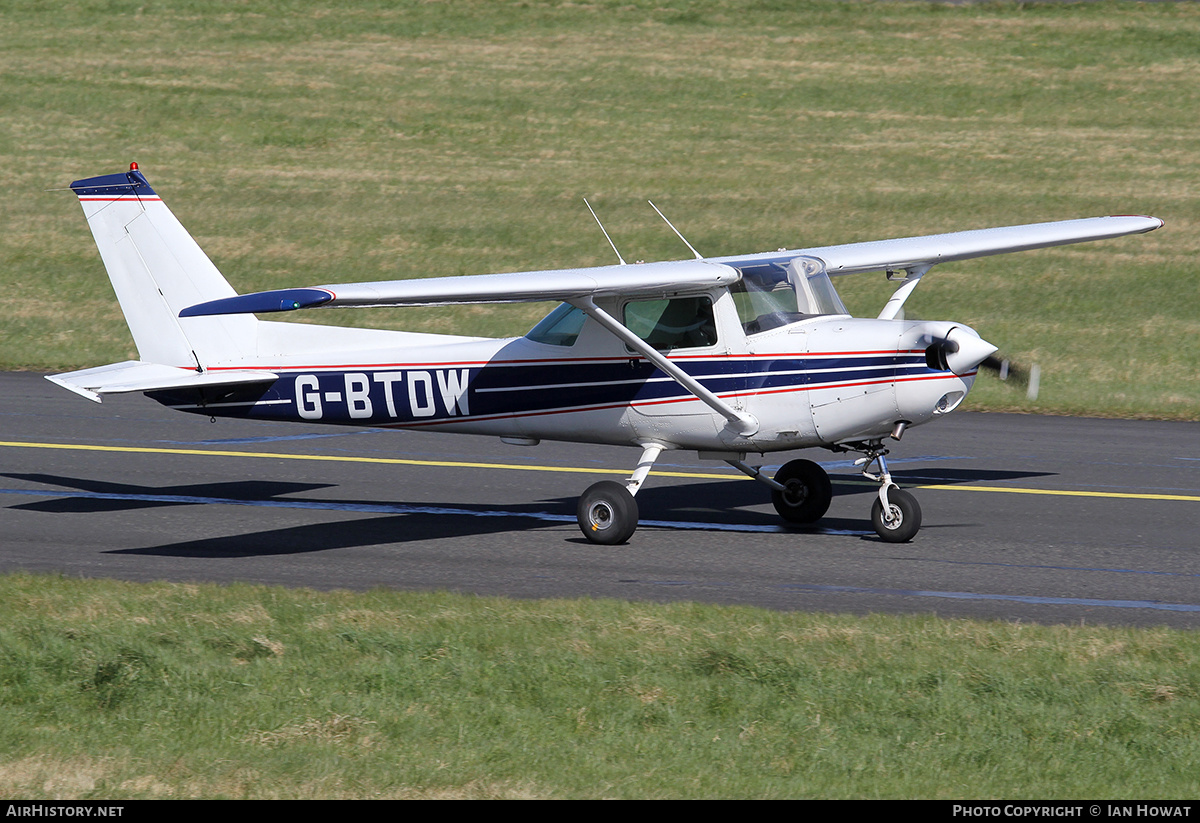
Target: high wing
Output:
[(909, 253), (517, 287), (917, 252)]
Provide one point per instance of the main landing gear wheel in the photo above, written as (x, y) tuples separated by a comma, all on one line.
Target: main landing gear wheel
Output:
[(903, 518), (807, 494), (607, 513)]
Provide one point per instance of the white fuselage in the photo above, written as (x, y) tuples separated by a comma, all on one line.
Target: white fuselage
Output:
[(815, 382)]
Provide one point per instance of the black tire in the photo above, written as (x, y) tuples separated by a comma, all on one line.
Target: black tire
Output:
[(607, 513), (808, 494), (905, 519)]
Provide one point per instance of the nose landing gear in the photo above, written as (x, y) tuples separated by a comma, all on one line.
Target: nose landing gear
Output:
[(895, 515)]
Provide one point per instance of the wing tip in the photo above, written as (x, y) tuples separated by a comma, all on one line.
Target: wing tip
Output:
[(1155, 222), (264, 302)]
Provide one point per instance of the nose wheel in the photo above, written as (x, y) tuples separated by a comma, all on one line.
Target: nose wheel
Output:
[(895, 514), (899, 520)]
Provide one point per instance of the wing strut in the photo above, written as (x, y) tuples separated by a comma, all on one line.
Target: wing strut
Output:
[(895, 303), (742, 423)]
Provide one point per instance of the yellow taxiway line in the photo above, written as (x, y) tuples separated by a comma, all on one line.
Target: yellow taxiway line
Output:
[(567, 469)]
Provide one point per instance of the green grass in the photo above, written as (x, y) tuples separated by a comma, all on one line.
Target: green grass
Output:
[(309, 143), (116, 690)]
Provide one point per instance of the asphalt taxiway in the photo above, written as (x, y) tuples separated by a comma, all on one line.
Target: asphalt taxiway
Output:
[(1040, 519)]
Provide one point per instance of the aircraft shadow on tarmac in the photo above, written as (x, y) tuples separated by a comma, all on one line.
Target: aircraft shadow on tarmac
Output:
[(408, 522), (742, 505), (359, 532), (948, 476), (105, 496)]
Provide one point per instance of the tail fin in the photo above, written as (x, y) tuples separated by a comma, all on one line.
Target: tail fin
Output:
[(157, 270)]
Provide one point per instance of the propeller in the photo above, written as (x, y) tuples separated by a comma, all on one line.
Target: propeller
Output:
[(940, 350), (1009, 372), (960, 351)]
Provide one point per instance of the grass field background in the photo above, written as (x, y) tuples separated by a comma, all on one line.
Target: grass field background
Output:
[(115, 690), (306, 143)]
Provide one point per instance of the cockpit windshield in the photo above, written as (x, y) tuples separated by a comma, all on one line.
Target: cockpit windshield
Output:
[(776, 293)]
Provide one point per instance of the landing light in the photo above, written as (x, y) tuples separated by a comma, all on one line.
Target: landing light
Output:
[(948, 402)]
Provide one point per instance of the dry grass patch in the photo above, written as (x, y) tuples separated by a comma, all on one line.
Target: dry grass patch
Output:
[(341, 730), (44, 776)]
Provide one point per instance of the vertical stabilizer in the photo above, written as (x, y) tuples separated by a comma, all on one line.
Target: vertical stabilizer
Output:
[(157, 270)]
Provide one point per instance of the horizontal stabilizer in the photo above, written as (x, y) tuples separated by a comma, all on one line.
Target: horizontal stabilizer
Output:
[(135, 376)]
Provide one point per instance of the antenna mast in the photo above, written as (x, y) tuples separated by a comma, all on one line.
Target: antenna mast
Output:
[(606, 237), (677, 234)]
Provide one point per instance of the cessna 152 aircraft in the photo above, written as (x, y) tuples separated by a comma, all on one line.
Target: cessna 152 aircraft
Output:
[(725, 356)]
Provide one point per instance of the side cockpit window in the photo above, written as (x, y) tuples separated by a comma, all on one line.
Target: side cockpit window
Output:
[(674, 323)]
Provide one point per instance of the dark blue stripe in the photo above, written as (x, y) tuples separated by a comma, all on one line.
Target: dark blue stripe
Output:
[(499, 376), (523, 389)]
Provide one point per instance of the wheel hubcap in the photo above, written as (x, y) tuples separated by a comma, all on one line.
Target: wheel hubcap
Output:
[(796, 493), (600, 516), (893, 517)]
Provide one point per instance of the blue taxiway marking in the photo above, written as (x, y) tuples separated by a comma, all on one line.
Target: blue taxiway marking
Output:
[(1060, 568), (280, 438), (1015, 598)]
